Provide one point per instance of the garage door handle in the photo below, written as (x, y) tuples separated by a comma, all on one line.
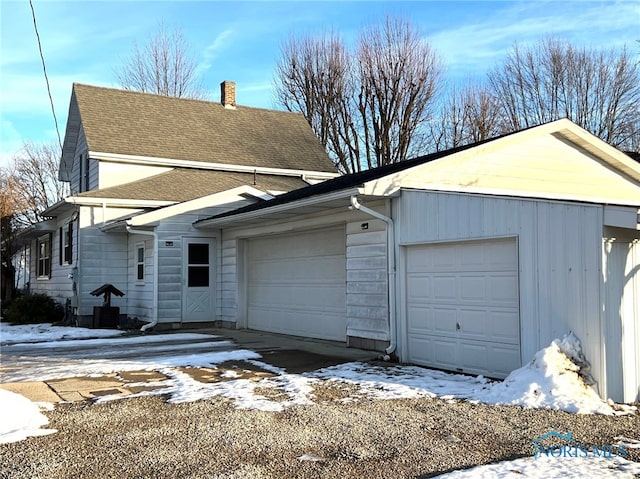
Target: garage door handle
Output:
[(457, 326)]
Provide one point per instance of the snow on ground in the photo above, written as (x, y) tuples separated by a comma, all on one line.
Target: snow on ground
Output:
[(545, 467), (106, 340), (551, 380), (20, 418), (31, 333), (71, 367), (556, 378)]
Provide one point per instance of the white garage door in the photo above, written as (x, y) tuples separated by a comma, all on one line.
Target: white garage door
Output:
[(296, 284), (462, 306)]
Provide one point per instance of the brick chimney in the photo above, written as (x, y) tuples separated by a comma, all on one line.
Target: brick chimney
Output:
[(228, 94)]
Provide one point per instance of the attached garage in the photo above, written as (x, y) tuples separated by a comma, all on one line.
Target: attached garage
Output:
[(467, 260), (462, 306), (296, 284)]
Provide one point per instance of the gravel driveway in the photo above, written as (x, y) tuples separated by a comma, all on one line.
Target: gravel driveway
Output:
[(149, 438)]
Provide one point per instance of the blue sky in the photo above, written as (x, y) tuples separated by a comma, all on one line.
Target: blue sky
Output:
[(85, 41)]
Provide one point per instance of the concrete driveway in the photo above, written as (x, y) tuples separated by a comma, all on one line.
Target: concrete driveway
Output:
[(293, 354)]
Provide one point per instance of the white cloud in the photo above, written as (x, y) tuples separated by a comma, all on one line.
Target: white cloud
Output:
[(476, 47), (220, 42)]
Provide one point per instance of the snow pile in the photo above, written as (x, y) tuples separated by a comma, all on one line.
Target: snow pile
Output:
[(30, 333), (545, 467), (20, 418), (557, 378)]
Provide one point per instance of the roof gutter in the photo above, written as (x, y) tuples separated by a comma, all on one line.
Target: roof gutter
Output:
[(230, 219), (391, 268), (154, 317)]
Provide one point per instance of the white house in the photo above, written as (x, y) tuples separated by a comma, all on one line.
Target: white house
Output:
[(468, 260), (142, 168)]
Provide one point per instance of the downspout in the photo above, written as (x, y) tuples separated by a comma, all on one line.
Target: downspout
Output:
[(154, 316), (391, 268)]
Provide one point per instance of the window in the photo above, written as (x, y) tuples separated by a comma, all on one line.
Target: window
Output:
[(44, 256), (83, 176), (198, 265), (66, 244), (86, 172), (140, 262)]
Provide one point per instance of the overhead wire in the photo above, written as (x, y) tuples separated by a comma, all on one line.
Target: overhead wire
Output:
[(44, 69)]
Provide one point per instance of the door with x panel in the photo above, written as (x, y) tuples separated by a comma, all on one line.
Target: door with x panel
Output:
[(198, 295)]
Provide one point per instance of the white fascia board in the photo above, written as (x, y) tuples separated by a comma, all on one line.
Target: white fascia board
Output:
[(203, 202), (621, 217), (148, 160), (601, 149), (313, 200), (117, 202)]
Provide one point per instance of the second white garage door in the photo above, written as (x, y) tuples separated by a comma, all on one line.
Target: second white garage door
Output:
[(296, 284), (462, 306)]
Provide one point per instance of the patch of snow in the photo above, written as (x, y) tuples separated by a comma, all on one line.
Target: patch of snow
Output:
[(551, 380), (555, 378), (29, 333), (20, 418), (98, 367), (550, 467), (180, 387), (311, 458), (628, 443), (132, 340)]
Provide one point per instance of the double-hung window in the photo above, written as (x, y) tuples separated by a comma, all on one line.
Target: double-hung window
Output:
[(140, 262), (44, 257), (66, 244)]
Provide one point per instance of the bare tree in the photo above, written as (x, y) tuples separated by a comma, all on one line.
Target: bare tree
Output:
[(468, 114), (315, 77), (399, 74), (599, 90), (165, 65), (369, 106), (33, 184)]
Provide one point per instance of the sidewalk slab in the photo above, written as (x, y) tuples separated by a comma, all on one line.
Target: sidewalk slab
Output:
[(36, 391)]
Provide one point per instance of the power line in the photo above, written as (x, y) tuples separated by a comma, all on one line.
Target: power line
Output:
[(44, 69)]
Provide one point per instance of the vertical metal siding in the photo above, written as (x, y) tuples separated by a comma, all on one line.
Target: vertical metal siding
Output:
[(559, 257), (621, 297)]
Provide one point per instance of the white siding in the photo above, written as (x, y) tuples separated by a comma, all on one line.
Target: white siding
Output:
[(228, 281), (621, 297), (173, 230), (367, 280), (59, 286), (140, 293), (81, 148), (559, 248), (367, 303), (103, 258)]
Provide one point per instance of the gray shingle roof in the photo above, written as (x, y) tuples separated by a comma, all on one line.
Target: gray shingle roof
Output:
[(143, 124), (184, 184)]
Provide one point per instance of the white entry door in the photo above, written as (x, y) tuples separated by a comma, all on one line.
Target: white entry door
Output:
[(297, 284), (198, 295), (462, 304)]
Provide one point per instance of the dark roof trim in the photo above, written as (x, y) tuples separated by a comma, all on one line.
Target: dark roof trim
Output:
[(353, 180)]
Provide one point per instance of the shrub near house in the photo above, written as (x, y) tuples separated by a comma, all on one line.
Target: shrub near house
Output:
[(37, 308)]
